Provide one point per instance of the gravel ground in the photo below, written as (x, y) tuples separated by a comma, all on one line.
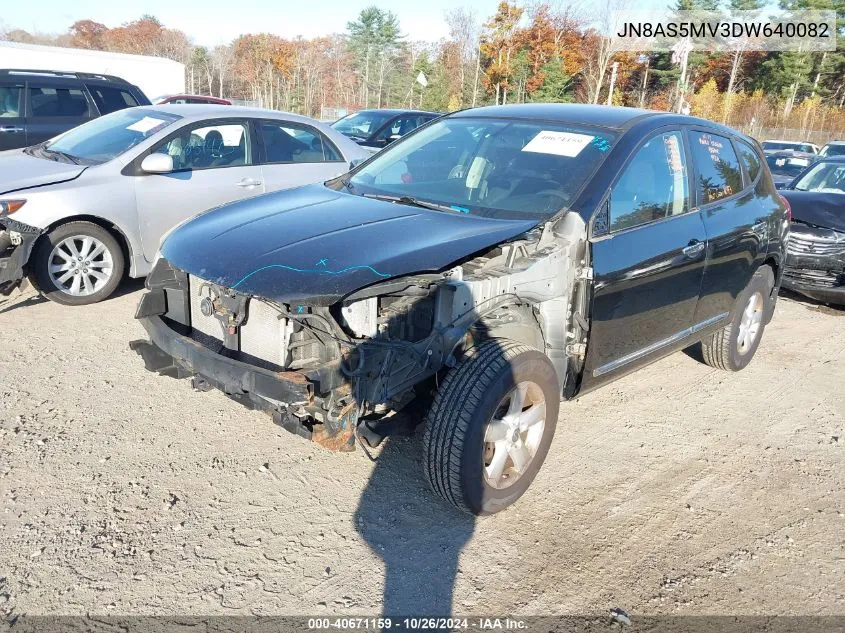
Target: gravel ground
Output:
[(677, 490)]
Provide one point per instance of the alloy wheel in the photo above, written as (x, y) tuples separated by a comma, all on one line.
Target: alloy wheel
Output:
[(513, 436), (750, 323), (80, 265)]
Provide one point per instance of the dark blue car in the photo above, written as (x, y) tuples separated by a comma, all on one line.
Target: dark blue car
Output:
[(815, 262)]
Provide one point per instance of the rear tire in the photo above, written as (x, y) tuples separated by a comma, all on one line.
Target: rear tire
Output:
[(733, 347), (490, 426), (77, 263)]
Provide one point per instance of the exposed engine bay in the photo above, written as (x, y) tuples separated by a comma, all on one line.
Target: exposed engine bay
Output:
[(367, 357)]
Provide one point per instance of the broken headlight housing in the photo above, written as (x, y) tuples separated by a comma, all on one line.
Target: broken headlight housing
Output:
[(8, 207)]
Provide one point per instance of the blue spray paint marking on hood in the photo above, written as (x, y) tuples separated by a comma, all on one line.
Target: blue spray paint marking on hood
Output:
[(324, 271), (314, 245)]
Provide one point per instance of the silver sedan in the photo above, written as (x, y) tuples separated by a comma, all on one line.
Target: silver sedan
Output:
[(80, 210)]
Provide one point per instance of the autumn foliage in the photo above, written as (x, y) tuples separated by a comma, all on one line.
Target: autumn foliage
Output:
[(524, 52)]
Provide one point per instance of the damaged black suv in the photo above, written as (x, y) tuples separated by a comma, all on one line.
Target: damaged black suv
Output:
[(482, 269)]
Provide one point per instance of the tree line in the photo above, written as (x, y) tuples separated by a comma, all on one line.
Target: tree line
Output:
[(539, 51)]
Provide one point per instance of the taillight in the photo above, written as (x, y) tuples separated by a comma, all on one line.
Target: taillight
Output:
[(788, 207)]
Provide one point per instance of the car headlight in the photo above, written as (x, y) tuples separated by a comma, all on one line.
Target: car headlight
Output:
[(8, 207)]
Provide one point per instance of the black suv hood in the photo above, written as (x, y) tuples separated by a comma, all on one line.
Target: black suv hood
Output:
[(314, 245)]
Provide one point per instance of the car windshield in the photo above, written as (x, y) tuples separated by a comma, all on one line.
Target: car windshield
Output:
[(361, 124), (833, 150), (109, 136), (488, 167), (824, 177), (786, 165)]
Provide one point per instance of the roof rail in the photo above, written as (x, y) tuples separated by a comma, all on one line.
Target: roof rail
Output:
[(10, 72)]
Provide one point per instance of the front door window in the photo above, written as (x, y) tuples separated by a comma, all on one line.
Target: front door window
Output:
[(209, 147), (653, 185)]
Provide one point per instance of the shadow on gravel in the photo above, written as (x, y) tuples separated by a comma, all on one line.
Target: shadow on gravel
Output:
[(694, 352), (418, 536), (8, 304), (128, 286)]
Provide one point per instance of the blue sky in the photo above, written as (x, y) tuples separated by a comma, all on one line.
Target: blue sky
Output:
[(211, 22)]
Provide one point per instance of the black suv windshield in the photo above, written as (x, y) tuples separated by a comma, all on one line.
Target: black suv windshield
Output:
[(361, 125), (109, 136), (489, 167)]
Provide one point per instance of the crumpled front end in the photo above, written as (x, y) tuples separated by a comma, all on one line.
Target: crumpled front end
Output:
[(815, 262), (250, 349), (16, 242), (362, 368)]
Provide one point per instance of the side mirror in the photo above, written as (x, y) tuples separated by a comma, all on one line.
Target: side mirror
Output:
[(355, 162), (394, 137), (157, 164), (781, 185)]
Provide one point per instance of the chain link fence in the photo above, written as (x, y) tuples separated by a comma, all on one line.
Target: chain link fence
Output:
[(819, 137)]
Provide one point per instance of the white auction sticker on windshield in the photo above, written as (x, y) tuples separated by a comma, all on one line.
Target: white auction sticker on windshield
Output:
[(560, 143), (145, 125)]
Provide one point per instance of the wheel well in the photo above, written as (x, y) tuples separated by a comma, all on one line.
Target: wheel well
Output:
[(104, 224), (772, 263)]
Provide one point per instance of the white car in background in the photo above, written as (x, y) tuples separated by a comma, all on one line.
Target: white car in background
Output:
[(776, 145), (80, 209)]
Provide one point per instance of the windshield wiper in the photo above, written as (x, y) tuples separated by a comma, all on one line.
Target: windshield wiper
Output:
[(65, 155), (413, 202)]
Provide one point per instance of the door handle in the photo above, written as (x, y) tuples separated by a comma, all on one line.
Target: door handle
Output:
[(10, 128), (248, 182), (693, 250)]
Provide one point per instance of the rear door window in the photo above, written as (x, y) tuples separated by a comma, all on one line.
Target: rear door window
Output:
[(750, 161), (400, 127), (653, 185), (54, 102), (110, 99), (286, 142), (718, 173)]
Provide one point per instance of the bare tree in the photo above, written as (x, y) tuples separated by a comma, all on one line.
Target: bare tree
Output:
[(737, 53), (464, 30), (221, 58), (601, 46)]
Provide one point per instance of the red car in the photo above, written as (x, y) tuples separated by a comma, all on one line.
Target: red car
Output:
[(190, 99)]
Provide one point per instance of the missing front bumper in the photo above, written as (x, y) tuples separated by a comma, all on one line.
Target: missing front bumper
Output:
[(171, 354), (16, 242)]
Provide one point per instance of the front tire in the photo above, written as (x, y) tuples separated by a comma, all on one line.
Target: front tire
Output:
[(490, 426), (77, 263), (733, 347)]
